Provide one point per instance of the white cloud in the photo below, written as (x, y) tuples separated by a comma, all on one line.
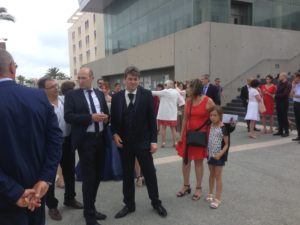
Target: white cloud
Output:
[(38, 39)]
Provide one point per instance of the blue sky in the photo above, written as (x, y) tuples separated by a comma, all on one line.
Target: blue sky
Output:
[(38, 39)]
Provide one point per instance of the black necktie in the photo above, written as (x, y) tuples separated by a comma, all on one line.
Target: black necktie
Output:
[(130, 96), (97, 129)]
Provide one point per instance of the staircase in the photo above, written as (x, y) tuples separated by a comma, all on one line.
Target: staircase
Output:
[(236, 107)]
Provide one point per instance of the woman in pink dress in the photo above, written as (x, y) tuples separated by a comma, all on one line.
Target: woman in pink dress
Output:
[(196, 113), (268, 92)]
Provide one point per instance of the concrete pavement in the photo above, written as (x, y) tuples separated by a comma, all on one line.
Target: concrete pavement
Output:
[(261, 186)]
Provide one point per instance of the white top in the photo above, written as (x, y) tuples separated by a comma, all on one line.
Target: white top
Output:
[(252, 93), (5, 79), (169, 100), (91, 128), (297, 93), (59, 111)]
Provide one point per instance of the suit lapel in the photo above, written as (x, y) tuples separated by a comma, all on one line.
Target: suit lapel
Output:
[(137, 100), (83, 99)]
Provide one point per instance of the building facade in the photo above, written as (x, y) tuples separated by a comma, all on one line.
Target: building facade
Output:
[(86, 40), (182, 39)]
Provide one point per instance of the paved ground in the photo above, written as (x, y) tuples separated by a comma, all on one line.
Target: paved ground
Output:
[(261, 187)]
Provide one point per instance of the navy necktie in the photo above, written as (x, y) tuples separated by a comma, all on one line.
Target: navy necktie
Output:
[(97, 129)]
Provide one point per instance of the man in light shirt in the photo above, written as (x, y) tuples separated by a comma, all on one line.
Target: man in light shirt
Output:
[(295, 93)]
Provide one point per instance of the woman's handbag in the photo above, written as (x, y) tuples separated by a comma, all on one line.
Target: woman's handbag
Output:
[(196, 137), (261, 107)]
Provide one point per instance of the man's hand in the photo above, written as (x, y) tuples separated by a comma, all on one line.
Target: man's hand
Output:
[(118, 141), (24, 200), (99, 117), (153, 148), (41, 188)]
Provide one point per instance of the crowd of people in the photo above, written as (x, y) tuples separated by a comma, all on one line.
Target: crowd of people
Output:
[(115, 135), (261, 100)]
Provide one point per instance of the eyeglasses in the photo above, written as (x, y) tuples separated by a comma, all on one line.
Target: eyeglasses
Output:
[(53, 86)]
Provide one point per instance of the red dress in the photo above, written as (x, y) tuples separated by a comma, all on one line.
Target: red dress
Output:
[(198, 117), (268, 100)]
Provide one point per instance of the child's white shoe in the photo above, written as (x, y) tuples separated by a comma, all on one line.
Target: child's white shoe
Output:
[(215, 204)]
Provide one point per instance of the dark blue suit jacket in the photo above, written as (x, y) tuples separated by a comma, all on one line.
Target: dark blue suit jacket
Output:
[(30, 146), (78, 115), (145, 130)]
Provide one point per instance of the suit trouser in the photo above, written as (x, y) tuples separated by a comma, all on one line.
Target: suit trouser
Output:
[(297, 116), (282, 116), (128, 155), (23, 216), (92, 155), (68, 169)]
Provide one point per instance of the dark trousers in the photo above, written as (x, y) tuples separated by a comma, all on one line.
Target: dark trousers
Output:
[(297, 116), (128, 155), (92, 155), (23, 216), (282, 116), (68, 169)]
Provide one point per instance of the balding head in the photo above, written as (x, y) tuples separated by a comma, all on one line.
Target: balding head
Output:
[(7, 65), (283, 76), (85, 78)]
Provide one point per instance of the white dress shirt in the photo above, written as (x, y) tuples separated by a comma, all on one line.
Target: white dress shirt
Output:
[(5, 79), (59, 111), (91, 128), (297, 93), (127, 98)]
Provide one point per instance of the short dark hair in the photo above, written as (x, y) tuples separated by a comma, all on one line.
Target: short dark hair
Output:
[(297, 74), (42, 81), (134, 71), (100, 79), (116, 84), (67, 86), (161, 86), (196, 87), (254, 83)]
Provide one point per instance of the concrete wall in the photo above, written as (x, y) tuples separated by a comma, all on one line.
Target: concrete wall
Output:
[(231, 52)]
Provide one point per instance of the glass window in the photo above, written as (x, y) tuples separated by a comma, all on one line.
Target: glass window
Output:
[(80, 44), (79, 31), (262, 13), (87, 40)]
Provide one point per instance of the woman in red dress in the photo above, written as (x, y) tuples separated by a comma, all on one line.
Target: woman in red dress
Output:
[(268, 92), (196, 113)]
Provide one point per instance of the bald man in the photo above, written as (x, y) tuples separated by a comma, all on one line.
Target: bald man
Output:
[(30, 148)]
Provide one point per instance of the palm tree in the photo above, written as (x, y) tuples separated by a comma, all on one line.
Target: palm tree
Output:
[(54, 73), (5, 16), (21, 79)]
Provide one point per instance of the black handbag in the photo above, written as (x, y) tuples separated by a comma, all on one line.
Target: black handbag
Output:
[(196, 137)]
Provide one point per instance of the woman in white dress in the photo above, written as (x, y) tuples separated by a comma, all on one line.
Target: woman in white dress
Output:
[(170, 99), (253, 107)]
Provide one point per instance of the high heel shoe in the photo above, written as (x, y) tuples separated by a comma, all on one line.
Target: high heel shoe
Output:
[(187, 190), (195, 196)]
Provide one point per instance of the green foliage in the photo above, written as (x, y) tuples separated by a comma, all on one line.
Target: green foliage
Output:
[(54, 73), (5, 16)]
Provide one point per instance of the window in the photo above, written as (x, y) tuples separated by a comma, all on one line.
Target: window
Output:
[(87, 40), (88, 54), (73, 35), (95, 51), (74, 60), (95, 35), (79, 31), (86, 25), (74, 49), (80, 44), (94, 18), (75, 72), (80, 59)]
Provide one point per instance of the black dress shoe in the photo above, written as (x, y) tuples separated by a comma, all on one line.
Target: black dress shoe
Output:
[(161, 210), (96, 223), (74, 204), (256, 129), (54, 214), (296, 139), (100, 216), (285, 135), (123, 212), (277, 134)]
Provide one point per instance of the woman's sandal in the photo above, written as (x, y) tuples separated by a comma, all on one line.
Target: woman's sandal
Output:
[(163, 144), (209, 198), (187, 190), (197, 197), (215, 204), (140, 181)]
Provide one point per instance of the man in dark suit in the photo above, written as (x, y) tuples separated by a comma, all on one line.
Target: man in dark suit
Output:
[(134, 131), (210, 90), (87, 112), (30, 148)]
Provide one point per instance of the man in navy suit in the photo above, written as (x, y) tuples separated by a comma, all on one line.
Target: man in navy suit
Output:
[(86, 110), (134, 131), (210, 90), (30, 148)]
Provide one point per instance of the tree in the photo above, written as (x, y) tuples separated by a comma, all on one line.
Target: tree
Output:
[(21, 79), (54, 73), (5, 16)]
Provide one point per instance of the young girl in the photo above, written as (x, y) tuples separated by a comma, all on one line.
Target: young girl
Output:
[(218, 143)]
